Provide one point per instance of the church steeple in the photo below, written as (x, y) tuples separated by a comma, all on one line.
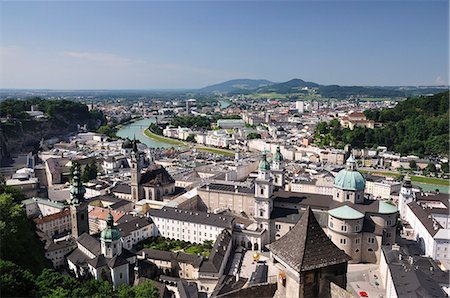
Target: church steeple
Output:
[(278, 168), (78, 206), (77, 190), (111, 245)]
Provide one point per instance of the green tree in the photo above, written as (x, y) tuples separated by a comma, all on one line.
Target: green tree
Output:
[(445, 167), (413, 164), (253, 135), (54, 284), (124, 291), (90, 171), (431, 167), (191, 138), (15, 281), (154, 128), (146, 290), (17, 236)]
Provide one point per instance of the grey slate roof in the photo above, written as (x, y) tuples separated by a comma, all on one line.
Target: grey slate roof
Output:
[(217, 256), (180, 257), (121, 188), (116, 262), (77, 257), (307, 247), (156, 175), (229, 188), (127, 227), (422, 214), (416, 279), (187, 289), (198, 217), (90, 243)]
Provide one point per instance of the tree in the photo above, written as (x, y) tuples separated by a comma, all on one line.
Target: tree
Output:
[(146, 290), (90, 172), (253, 135), (191, 138), (154, 128), (413, 164), (15, 281), (19, 243), (431, 168), (445, 167)]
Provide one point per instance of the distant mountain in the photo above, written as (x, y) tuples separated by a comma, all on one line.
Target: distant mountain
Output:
[(292, 86), (236, 85)]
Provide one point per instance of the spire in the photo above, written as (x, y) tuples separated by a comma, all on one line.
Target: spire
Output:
[(407, 181), (350, 165), (278, 157), (77, 189), (135, 149), (264, 164)]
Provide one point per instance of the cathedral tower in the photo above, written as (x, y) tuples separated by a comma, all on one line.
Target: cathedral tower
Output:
[(263, 194), (278, 169), (78, 207)]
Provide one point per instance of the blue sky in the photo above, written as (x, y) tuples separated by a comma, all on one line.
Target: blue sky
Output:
[(146, 45)]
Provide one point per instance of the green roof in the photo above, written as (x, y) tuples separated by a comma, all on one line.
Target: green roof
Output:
[(46, 202), (386, 208), (264, 164), (110, 234), (278, 156), (345, 212), (349, 180)]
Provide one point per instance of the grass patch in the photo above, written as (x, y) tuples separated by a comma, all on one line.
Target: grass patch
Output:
[(161, 243), (162, 139), (217, 151), (430, 180), (420, 179)]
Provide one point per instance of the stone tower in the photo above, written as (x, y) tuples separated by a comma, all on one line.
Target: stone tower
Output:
[(78, 206), (307, 261), (263, 194), (406, 196), (135, 174), (278, 169)]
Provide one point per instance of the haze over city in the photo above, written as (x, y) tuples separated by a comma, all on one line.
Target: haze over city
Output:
[(171, 45)]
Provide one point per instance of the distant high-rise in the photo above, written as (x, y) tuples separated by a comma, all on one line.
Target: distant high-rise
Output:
[(300, 106)]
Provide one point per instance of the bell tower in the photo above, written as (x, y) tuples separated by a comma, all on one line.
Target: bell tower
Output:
[(78, 206), (278, 169), (135, 174), (263, 194)]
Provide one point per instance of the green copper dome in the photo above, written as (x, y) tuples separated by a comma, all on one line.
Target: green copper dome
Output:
[(111, 233), (264, 165), (278, 157), (349, 178)]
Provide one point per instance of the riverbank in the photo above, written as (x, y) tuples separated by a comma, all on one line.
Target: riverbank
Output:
[(174, 142), (163, 139)]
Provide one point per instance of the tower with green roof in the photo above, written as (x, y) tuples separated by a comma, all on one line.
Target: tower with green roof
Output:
[(278, 168), (78, 206), (263, 196), (111, 245)]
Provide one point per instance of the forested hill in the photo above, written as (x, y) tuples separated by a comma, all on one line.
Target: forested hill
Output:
[(418, 125)]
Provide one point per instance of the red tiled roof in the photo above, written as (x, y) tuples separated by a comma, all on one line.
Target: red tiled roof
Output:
[(102, 213), (52, 217)]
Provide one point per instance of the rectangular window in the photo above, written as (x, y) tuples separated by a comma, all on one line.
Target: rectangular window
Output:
[(261, 213), (262, 191), (277, 226), (357, 241), (343, 241), (371, 240), (344, 228)]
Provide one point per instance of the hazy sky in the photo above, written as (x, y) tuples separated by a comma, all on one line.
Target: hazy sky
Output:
[(141, 44)]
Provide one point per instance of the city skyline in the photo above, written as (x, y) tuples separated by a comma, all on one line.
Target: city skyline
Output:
[(183, 45)]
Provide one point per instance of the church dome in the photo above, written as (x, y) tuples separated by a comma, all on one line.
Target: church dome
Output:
[(349, 178), (111, 233), (127, 144), (278, 156), (264, 164)]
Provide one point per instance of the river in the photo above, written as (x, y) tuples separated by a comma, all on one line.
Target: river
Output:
[(137, 129)]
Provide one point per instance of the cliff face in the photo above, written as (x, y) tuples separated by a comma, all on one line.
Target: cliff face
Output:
[(23, 136)]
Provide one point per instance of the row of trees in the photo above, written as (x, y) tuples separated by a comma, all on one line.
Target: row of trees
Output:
[(18, 282), (418, 126)]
